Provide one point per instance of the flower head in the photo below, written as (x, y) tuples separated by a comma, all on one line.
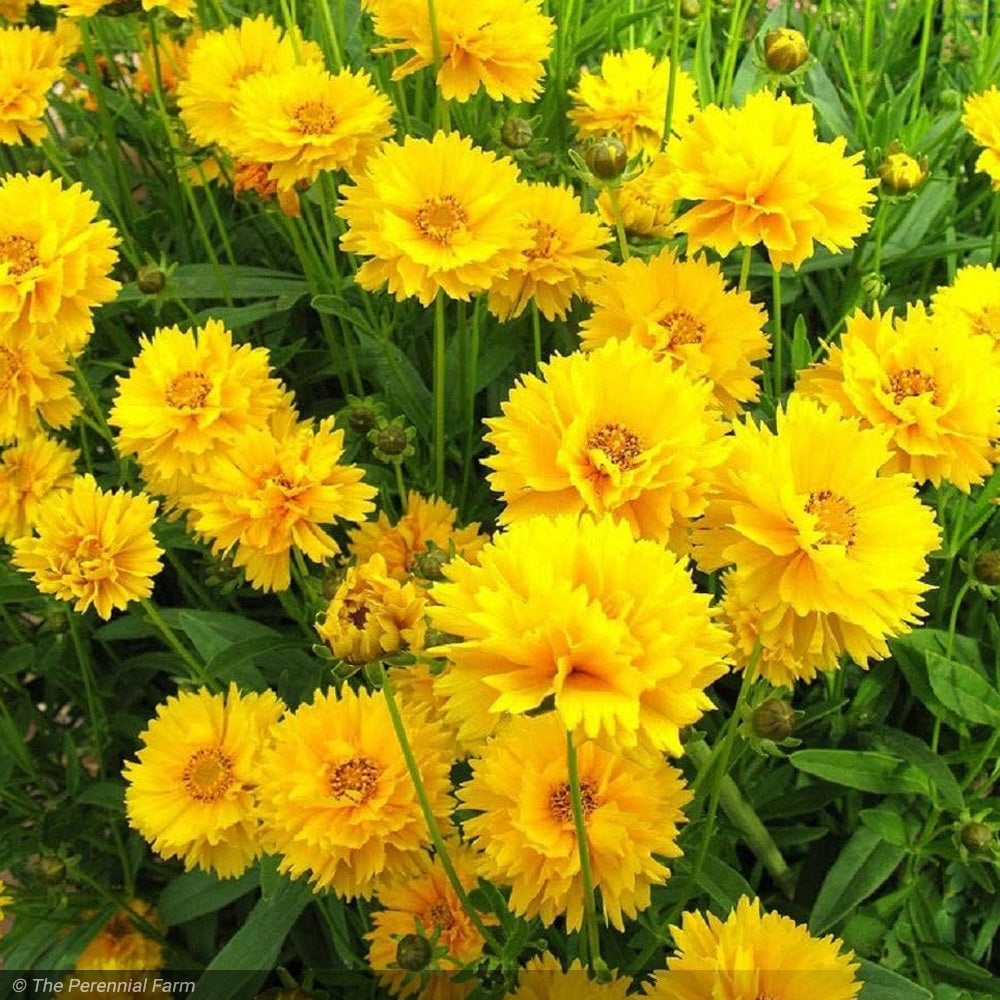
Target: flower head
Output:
[(30, 471), (646, 201), (525, 829), (121, 944), (629, 97), (578, 610), (682, 311), (982, 120), (191, 790), (761, 176), (335, 796), (92, 547), (434, 215), (543, 979), (612, 432), (934, 387), (971, 302), (30, 63)]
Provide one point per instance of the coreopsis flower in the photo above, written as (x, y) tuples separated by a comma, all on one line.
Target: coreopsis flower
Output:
[(191, 790), (646, 201), (612, 432), (425, 903), (578, 610), (753, 954), (122, 944), (525, 831), (629, 97), (55, 260), (303, 120), (495, 45), (372, 616), (88, 8), (34, 386), (543, 979), (564, 258), (899, 172), (760, 175), (427, 524), (933, 386), (220, 61), (981, 118), (30, 471), (30, 64), (6, 900), (825, 546), (336, 798), (971, 302), (682, 311), (13, 10), (434, 214), (187, 397), (273, 489)]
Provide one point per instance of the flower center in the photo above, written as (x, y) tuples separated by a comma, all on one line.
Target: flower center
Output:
[(355, 779), (188, 391), (440, 915), (682, 328), (19, 254), (618, 443), (910, 382), (544, 234), (314, 118), (440, 218), (208, 774), (10, 366), (356, 614), (561, 801), (836, 519)]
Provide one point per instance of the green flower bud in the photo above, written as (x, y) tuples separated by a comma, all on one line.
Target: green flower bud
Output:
[(986, 568), (150, 279), (690, 9), (516, 133), (413, 952), (774, 719), (77, 145), (977, 838), (607, 157), (785, 50)]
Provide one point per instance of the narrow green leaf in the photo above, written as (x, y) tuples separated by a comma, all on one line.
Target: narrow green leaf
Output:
[(963, 690), (914, 750), (883, 984), (862, 769), (196, 893), (888, 824)]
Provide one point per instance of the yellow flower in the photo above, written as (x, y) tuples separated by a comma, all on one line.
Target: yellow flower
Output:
[(123, 945), (971, 302), (496, 45), (564, 257), (752, 955), (13, 10), (188, 396), (428, 521), (304, 120), (429, 898), (934, 387), (30, 471), (54, 259), (88, 8), (434, 215), (33, 385), (761, 176), (372, 616), (221, 61), (336, 798), (785, 50), (823, 545), (646, 201), (191, 791), (543, 979), (525, 831), (982, 120), (608, 432), (578, 610), (30, 63), (629, 97), (92, 547), (900, 172), (682, 311), (270, 491), (6, 900)]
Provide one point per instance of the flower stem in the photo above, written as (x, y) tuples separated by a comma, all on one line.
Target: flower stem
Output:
[(745, 268), (425, 806), (95, 714), (441, 105), (675, 55), (198, 672), (536, 331), (616, 211), (583, 846), (925, 41), (439, 390), (777, 373)]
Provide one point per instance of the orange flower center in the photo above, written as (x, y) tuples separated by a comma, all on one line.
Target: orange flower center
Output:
[(188, 391), (561, 801), (208, 774), (314, 118), (544, 234), (10, 366), (440, 915), (19, 254), (910, 382), (440, 218), (355, 779), (682, 328), (836, 519), (618, 443)]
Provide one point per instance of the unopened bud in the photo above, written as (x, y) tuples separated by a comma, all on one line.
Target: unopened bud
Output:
[(977, 837), (516, 133), (77, 145), (901, 173), (785, 50), (606, 157), (391, 440), (51, 869), (986, 568), (774, 719), (150, 279), (413, 952), (690, 9)]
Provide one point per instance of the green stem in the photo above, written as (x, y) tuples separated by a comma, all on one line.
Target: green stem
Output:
[(583, 846), (441, 105), (925, 41), (867, 25), (675, 55), (778, 372), (536, 331), (425, 806), (331, 34), (745, 267), (737, 19), (95, 713), (616, 212), (439, 391), (400, 485), (861, 118), (198, 672)]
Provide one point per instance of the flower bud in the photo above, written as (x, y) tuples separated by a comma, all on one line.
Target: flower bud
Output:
[(873, 286), (413, 952), (391, 440), (428, 564), (785, 50), (77, 145), (690, 9), (606, 157), (516, 133), (977, 838), (986, 568), (900, 172), (951, 99), (51, 869), (361, 416), (150, 279), (774, 719)]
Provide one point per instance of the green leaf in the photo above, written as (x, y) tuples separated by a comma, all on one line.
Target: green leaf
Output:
[(935, 196), (105, 794), (917, 752), (863, 865), (196, 893), (862, 769), (723, 884), (888, 824), (960, 971), (226, 663), (213, 631), (963, 690), (883, 984), (824, 96), (201, 281)]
